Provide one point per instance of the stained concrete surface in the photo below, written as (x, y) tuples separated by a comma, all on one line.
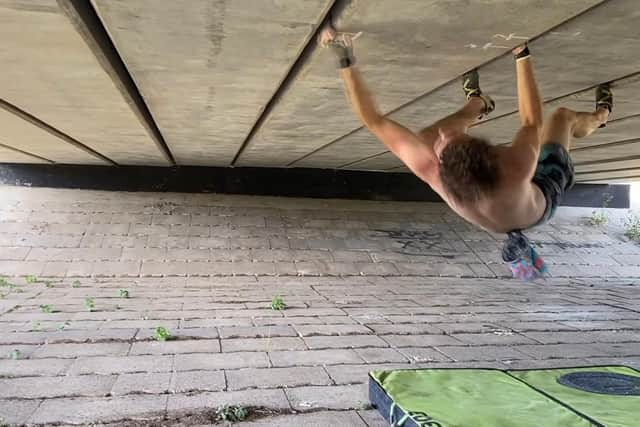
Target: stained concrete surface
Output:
[(49, 71), (206, 69)]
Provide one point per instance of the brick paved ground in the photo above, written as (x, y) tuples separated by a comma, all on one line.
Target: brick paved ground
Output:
[(368, 285)]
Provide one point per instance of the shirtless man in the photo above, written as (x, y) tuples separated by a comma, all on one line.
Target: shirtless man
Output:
[(499, 188)]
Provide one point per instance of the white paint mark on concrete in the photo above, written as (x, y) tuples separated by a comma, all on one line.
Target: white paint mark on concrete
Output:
[(510, 36), (566, 33), (486, 46)]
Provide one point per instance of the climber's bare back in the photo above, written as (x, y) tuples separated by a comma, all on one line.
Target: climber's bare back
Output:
[(516, 203)]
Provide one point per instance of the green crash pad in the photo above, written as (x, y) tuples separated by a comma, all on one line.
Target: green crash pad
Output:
[(495, 398)]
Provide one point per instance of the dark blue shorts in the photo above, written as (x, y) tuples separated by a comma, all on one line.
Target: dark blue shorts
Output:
[(554, 175)]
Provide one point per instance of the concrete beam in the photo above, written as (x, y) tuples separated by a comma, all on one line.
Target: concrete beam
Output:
[(50, 72), (9, 154), (26, 136), (379, 162), (207, 68), (627, 176), (609, 166)]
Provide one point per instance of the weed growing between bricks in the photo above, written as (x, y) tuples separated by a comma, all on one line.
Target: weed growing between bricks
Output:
[(206, 417)]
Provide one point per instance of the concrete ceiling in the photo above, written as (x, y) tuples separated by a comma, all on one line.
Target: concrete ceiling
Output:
[(242, 83)]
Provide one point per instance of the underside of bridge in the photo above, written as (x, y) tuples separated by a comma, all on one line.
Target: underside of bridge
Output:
[(242, 83)]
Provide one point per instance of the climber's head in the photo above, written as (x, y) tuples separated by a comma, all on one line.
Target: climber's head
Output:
[(469, 166)]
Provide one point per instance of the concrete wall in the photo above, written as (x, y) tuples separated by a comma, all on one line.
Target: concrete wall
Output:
[(242, 83)]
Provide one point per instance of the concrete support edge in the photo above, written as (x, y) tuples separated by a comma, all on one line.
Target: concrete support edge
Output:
[(85, 20)]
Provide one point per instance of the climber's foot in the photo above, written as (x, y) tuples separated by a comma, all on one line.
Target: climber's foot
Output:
[(604, 99), (471, 88)]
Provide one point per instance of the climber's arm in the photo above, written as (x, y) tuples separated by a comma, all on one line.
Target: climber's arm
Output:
[(529, 102), (407, 146)]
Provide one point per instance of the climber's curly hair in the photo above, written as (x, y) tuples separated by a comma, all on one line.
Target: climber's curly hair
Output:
[(469, 168)]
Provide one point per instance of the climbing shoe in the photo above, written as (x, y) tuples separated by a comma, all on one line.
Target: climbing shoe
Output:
[(524, 262), (604, 99), (471, 87)]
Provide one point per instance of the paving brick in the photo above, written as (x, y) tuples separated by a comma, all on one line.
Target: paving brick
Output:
[(356, 374), (175, 347), (256, 332), (203, 361), (254, 268), (329, 397), (154, 383), (329, 311), (122, 364), (482, 353), (34, 367), (80, 350), (183, 334), (377, 269), (214, 268), (177, 254), (274, 399), (537, 326), (305, 320), (208, 243), (481, 270), (159, 241), (420, 340), (372, 418), (314, 330), (395, 315), (381, 355), (350, 341), (116, 268), (453, 270), (93, 410), (313, 357), (215, 322), (256, 312), (14, 253), (550, 351), (47, 387), (587, 325), (79, 336), (314, 419), (26, 350), (21, 268), (404, 329), (493, 339), (349, 256), (578, 337), (189, 381), (167, 268), (149, 323), (17, 412), (633, 259), (145, 254), (263, 344), (276, 377), (423, 354)]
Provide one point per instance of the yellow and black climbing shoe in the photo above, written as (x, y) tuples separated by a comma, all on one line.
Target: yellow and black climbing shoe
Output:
[(604, 98), (471, 87)]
